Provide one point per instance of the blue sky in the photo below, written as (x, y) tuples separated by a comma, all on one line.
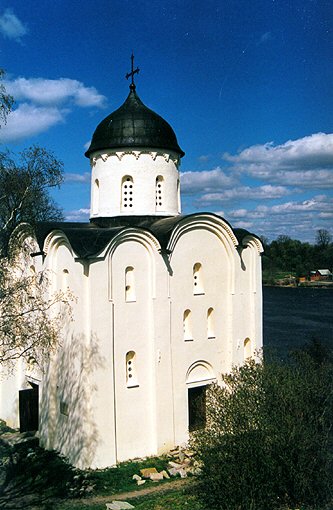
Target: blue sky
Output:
[(246, 85)]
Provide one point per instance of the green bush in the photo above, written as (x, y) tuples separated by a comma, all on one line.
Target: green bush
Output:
[(268, 439)]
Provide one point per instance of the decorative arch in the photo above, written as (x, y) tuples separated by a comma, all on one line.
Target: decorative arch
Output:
[(252, 245), (54, 240), (217, 226), (147, 240), (200, 372), (52, 243)]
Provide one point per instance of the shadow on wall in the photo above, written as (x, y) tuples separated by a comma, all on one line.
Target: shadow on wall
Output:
[(66, 413)]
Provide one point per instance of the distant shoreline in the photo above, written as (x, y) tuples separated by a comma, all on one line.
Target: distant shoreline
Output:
[(304, 285)]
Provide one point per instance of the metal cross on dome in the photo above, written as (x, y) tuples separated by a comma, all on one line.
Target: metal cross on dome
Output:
[(132, 73)]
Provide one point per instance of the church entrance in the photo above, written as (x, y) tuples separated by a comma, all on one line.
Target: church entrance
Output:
[(197, 407), (28, 406)]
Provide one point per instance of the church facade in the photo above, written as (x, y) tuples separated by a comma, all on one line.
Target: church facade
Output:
[(165, 303)]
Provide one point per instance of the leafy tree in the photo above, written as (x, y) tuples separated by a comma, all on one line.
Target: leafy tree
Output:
[(323, 238), (30, 316), (24, 186), (268, 440)]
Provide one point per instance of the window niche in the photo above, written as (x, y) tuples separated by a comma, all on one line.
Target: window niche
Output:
[(127, 189), (210, 323), (197, 279), (129, 284), (64, 280), (247, 348), (187, 326), (131, 375), (95, 199), (159, 193)]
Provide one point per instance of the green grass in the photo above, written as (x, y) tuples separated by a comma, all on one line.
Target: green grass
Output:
[(119, 479)]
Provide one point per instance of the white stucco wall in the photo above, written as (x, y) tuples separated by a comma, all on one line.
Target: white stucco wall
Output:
[(88, 410), (109, 169)]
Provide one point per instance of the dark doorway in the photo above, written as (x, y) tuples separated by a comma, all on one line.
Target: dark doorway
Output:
[(28, 402), (197, 408)]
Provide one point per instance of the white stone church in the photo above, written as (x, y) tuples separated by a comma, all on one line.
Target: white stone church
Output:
[(165, 303)]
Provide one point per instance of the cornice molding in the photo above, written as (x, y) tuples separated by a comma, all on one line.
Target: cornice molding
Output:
[(136, 154)]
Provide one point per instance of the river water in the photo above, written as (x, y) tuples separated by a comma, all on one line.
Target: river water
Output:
[(292, 316)]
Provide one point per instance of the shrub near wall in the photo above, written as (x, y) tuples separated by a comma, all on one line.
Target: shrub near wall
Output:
[(268, 440)]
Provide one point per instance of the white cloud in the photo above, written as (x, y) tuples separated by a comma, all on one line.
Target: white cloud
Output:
[(30, 120), (307, 162), (297, 219), (245, 192), (11, 27), (205, 181), (44, 103), (243, 224), (73, 177), (54, 92), (78, 215)]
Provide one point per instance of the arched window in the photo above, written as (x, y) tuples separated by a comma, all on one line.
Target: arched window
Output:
[(247, 348), (129, 284), (159, 193), (210, 323), (178, 195), (95, 197), (187, 326), (64, 280), (197, 279), (131, 375), (127, 189)]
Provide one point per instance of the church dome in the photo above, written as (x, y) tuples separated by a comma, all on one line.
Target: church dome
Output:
[(134, 125)]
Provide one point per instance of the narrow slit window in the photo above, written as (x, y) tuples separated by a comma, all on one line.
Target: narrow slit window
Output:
[(131, 374), (178, 195), (187, 325), (129, 284), (210, 323), (197, 279), (64, 280), (95, 198), (159, 193), (127, 190), (247, 348)]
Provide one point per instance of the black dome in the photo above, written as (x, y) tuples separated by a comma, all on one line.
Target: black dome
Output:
[(134, 125)]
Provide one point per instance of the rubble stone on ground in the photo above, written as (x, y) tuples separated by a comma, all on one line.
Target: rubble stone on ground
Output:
[(118, 505), (145, 473), (156, 477)]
